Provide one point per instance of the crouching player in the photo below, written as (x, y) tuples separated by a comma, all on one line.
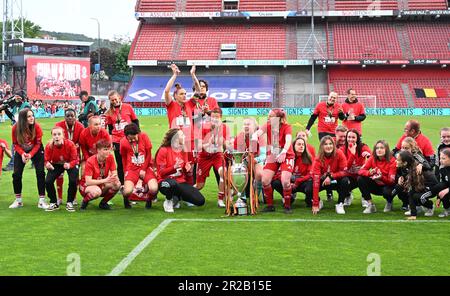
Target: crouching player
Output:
[(100, 177), (61, 155), (136, 152), (173, 165)]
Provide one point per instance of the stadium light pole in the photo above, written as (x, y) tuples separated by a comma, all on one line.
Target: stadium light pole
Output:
[(99, 40)]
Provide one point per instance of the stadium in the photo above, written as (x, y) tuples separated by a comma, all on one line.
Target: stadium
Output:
[(259, 55)]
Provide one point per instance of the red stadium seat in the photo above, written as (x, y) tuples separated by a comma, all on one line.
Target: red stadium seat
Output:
[(429, 40), (156, 5), (204, 5), (366, 41), (262, 5)]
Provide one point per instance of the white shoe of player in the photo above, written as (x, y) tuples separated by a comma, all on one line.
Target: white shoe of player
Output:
[(340, 209), (16, 205), (168, 206), (221, 203)]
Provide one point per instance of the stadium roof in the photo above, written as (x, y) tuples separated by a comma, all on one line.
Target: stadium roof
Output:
[(49, 41)]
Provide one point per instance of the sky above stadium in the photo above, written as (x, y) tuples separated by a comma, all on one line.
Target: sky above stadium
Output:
[(74, 16)]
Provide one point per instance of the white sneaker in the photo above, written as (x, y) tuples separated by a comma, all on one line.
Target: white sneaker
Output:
[(320, 205), (340, 209), (364, 203), (43, 205), (16, 205), (221, 203), (429, 212), (348, 200), (444, 214), (168, 206), (52, 207), (74, 203), (59, 202), (408, 213), (70, 207), (388, 207), (370, 209)]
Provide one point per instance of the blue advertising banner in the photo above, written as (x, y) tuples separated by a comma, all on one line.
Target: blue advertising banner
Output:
[(224, 88)]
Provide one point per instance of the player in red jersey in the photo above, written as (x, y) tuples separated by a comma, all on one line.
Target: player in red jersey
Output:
[(329, 172), (412, 129), (301, 174), (89, 138), (100, 177), (72, 131), (173, 166), (4, 150), (242, 143), (280, 156), (311, 149), (377, 176), (354, 111), (61, 155), (118, 117), (357, 154), (136, 153), (179, 112), (215, 138), (329, 113), (27, 141)]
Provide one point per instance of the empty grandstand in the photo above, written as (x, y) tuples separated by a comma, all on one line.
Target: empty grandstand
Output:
[(388, 49)]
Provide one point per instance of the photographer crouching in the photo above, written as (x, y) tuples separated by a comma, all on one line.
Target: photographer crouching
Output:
[(12, 105)]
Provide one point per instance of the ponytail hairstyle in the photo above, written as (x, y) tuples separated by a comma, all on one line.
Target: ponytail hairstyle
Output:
[(413, 144), (177, 88), (112, 93)]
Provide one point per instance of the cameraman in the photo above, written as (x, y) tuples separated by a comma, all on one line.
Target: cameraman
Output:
[(90, 108), (12, 106)]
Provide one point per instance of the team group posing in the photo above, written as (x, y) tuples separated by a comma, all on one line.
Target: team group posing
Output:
[(198, 140)]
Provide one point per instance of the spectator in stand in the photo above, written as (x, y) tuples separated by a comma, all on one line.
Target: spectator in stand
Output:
[(354, 112), (329, 113)]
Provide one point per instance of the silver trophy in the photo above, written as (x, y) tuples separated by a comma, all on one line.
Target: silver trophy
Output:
[(239, 174)]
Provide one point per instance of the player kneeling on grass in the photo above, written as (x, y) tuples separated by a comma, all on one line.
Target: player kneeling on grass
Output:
[(61, 155), (136, 152), (415, 184), (377, 176), (442, 189), (301, 175), (329, 172), (100, 177), (173, 166)]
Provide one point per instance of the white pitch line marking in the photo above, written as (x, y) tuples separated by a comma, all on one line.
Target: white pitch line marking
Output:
[(139, 248), (149, 239)]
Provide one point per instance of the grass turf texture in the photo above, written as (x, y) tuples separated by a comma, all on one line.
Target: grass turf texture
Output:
[(37, 243)]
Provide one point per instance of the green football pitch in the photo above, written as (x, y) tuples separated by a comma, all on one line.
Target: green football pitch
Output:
[(201, 241)]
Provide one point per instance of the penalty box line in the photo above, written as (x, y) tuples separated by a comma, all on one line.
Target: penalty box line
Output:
[(152, 236)]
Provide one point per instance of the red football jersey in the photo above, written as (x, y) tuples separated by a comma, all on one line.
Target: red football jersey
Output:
[(302, 171), (355, 109), (66, 153), (422, 142), (354, 161), (277, 138), (213, 140), (120, 118), (30, 146), (328, 117), (88, 141), (165, 162), (178, 115), (138, 156), (98, 171)]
